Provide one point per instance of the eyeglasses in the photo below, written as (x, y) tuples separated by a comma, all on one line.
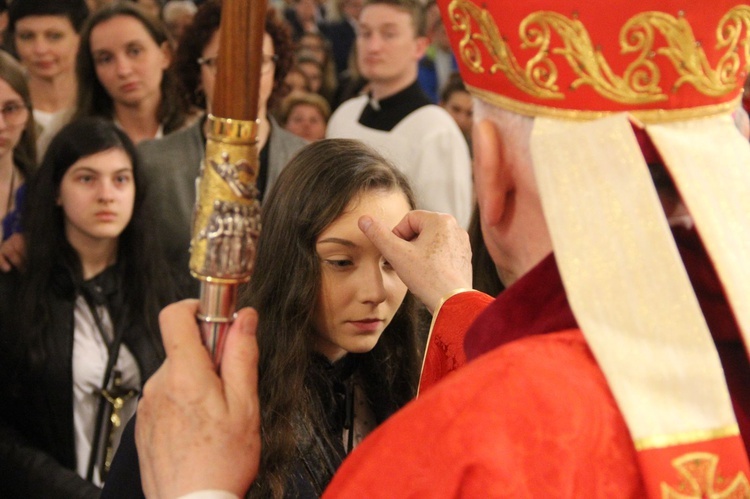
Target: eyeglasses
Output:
[(265, 67), (14, 113)]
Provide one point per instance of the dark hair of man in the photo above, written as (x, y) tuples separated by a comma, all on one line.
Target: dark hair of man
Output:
[(53, 265), (75, 10), (93, 99), (198, 35), (312, 192), (24, 154), (412, 7)]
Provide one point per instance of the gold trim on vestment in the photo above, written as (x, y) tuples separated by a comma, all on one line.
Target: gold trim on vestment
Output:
[(644, 115), (699, 478), (688, 437)]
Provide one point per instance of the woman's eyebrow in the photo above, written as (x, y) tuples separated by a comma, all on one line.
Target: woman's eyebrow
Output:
[(337, 240)]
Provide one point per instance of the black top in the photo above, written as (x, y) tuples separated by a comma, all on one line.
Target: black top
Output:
[(385, 114), (319, 456), (37, 443)]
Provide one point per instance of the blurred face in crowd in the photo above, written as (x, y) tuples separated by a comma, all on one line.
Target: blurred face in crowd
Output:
[(352, 8), (312, 46), (306, 121), (128, 62), (178, 23), (460, 107), (296, 81), (97, 194), (360, 292), (313, 73), (305, 10), (13, 118), (208, 70), (388, 48), (46, 45)]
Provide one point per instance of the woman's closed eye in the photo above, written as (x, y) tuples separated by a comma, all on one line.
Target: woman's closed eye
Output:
[(338, 263)]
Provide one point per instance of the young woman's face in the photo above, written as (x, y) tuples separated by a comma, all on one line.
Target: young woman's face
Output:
[(360, 292), (306, 121), (97, 195), (46, 45), (13, 118), (128, 62)]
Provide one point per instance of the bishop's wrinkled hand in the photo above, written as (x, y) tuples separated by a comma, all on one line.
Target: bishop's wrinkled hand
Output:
[(196, 429)]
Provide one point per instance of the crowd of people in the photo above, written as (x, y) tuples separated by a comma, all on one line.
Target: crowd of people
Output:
[(426, 201)]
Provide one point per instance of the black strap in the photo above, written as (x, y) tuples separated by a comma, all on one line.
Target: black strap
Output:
[(113, 351)]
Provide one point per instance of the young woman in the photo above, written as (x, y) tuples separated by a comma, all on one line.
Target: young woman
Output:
[(17, 151), (337, 329), (336, 336), (45, 36), (78, 329), (122, 70)]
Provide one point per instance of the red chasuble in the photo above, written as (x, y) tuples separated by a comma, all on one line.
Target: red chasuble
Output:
[(532, 416)]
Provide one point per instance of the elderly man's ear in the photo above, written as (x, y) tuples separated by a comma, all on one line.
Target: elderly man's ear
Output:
[(493, 180)]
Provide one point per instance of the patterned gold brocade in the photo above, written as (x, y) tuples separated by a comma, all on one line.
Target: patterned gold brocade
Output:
[(661, 441), (643, 115), (701, 480), (624, 278), (556, 46), (710, 164)]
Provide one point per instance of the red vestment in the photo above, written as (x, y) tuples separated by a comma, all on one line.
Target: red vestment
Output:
[(532, 416)]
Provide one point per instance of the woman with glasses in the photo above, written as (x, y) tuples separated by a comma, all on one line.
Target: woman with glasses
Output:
[(171, 164), (122, 70), (17, 148), (45, 37)]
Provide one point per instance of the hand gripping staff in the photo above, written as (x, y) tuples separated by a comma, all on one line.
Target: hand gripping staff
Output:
[(226, 221)]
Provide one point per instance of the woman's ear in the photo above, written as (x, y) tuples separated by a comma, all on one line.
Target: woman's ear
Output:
[(167, 54), (492, 178)]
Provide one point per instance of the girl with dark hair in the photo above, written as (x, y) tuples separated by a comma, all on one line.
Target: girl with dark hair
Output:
[(17, 143), (122, 73), (45, 37), (78, 329), (337, 329)]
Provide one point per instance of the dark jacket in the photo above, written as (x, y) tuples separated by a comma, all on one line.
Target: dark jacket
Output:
[(37, 442)]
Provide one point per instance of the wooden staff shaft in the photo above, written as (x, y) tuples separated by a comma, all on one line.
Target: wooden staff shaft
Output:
[(227, 216)]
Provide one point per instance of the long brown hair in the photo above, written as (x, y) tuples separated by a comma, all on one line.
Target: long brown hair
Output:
[(311, 192), (93, 99)]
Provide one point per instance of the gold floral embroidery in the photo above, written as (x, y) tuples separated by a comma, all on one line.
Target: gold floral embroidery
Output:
[(639, 84), (699, 480)]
